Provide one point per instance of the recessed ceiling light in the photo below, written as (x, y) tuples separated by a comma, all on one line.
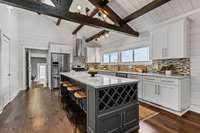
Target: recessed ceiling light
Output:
[(104, 16), (98, 39), (107, 35), (79, 7), (102, 36)]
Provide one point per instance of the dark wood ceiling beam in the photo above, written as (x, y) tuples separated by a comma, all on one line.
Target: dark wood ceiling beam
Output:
[(65, 6), (58, 22), (103, 32), (62, 4), (69, 16), (92, 14), (144, 10), (102, 6)]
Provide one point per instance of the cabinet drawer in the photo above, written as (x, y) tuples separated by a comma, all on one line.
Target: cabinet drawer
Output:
[(149, 79), (168, 81), (111, 123), (133, 76)]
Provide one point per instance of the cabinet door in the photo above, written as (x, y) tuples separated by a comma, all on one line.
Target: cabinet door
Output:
[(169, 96), (140, 88), (98, 55), (175, 34), (150, 92), (66, 49), (55, 48), (111, 123), (159, 43), (91, 55), (131, 117)]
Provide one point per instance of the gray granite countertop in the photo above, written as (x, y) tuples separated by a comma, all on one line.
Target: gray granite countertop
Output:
[(99, 81), (151, 74)]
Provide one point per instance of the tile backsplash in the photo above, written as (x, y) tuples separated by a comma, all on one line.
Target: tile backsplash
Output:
[(181, 66)]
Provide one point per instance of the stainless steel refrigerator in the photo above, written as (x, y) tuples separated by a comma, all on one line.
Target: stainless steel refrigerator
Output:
[(59, 63)]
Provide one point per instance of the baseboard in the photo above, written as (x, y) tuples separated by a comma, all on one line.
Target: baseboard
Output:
[(195, 108), (14, 96), (22, 89), (166, 109), (1, 110)]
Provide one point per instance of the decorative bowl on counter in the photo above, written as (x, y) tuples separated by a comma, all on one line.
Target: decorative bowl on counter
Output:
[(92, 73)]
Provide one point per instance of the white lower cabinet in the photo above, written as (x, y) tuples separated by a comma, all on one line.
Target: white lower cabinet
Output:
[(173, 94), (169, 96), (149, 91)]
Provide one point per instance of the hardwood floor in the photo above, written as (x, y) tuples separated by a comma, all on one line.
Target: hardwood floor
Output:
[(39, 111), (166, 122)]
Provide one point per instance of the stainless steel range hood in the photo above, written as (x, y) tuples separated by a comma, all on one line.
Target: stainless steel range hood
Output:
[(79, 49)]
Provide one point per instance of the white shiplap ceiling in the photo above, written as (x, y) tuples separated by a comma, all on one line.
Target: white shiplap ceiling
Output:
[(169, 10)]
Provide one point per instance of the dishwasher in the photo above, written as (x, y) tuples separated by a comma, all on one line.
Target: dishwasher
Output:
[(122, 75)]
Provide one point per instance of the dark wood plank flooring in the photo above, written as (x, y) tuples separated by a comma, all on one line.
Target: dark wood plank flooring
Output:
[(39, 111)]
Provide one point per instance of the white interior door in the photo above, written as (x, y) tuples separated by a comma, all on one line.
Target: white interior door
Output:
[(42, 73), (5, 70)]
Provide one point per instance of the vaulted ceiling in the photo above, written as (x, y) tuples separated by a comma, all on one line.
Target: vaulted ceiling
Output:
[(124, 8), (169, 10)]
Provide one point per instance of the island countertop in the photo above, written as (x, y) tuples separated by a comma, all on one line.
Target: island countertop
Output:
[(99, 81)]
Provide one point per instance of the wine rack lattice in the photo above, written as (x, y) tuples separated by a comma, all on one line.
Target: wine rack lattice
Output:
[(112, 97)]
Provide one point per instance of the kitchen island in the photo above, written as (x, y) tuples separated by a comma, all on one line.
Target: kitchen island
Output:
[(112, 102)]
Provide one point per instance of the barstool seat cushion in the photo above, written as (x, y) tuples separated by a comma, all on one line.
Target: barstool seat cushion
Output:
[(73, 89), (62, 82), (80, 95), (67, 85)]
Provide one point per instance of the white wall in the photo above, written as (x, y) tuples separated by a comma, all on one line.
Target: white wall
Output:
[(9, 27), (37, 31), (195, 62)]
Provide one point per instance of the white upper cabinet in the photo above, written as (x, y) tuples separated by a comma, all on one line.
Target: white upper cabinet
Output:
[(171, 40), (93, 55), (98, 55), (159, 43), (55, 48)]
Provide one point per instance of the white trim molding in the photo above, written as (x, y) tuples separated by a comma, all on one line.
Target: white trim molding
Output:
[(195, 108)]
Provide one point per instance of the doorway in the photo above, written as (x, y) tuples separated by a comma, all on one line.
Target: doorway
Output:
[(36, 67), (5, 92), (39, 71)]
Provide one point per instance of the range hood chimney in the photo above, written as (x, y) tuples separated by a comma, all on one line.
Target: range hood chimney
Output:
[(79, 49)]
